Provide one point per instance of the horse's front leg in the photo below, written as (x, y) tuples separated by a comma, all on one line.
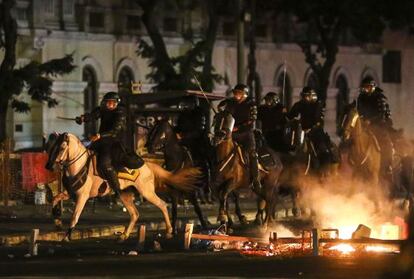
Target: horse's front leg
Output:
[(127, 199), (194, 201), (81, 200), (174, 212), (242, 218), (57, 208), (222, 195)]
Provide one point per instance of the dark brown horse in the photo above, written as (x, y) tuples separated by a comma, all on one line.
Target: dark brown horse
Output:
[(163, 138), (232, 172)]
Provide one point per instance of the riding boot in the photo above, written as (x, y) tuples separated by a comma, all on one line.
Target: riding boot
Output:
[(254, 170), (111, 177)]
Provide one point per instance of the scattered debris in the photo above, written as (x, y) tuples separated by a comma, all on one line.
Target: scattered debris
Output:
[(27, 255), (133, 253), (10, 256)]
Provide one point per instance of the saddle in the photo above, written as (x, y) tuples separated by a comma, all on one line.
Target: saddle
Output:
[(126, 163)]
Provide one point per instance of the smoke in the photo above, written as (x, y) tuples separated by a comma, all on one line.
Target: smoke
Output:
[(345, 203)]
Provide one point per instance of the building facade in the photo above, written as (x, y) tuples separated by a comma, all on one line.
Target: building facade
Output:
[(103, 36)]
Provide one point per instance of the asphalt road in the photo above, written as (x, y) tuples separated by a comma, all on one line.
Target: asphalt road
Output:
[(106, 258)]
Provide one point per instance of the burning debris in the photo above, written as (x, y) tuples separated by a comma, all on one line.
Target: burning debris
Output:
[(315, 242)]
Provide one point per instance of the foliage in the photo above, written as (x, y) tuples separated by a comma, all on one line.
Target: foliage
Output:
[(177, 73), (325, 21)]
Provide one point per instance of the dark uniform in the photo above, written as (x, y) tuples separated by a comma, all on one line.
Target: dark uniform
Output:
[(111, 132), (191, 127), (272, 116), (244, 114), (372, 107), (311, 114)]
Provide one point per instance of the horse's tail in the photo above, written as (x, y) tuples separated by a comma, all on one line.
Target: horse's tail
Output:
[(184, 179)]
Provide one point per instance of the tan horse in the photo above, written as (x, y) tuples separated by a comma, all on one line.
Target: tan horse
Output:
[(364, 152), (69, 152), (232, 173)]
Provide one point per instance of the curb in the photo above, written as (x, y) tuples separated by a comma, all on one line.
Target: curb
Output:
[(77, 234)]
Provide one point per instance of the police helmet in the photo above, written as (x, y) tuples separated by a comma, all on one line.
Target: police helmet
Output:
[(242, 87), (110, 96), (368, 85), (309, 92), (272, 97)]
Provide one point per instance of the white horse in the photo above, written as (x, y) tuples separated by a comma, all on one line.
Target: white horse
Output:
[(68, 152)]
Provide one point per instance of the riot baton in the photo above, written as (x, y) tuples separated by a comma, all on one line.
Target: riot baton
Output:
[(66, 118), (204, 94), (284, 82)]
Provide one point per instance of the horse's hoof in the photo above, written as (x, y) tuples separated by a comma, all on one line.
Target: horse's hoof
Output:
[(169, 235), (243, 220), (66, 239)]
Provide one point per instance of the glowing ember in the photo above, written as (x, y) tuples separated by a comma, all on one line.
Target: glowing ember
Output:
[(379, 249), (343, 248)]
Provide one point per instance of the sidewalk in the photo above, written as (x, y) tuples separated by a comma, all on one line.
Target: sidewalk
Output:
[(17, 222)]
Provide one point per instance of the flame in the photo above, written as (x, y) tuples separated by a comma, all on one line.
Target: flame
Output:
[(380, 249), (343, 248)]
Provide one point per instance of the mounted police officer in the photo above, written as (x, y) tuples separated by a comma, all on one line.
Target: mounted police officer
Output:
[(272, 116), (374, 110), (311, 114), (244, 111), (108, 141), (193, 134)]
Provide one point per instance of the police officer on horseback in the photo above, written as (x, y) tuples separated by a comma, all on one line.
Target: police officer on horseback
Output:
[(272, 116), (311, 114), (244, 111), (193, 134), (108, 142), (374, 110)]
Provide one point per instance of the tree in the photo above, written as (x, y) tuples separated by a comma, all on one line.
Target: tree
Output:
[(326, 21), (175, 73), (35, 76)]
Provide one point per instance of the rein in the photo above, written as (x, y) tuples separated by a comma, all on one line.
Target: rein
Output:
[(223, 163), (75, 182)]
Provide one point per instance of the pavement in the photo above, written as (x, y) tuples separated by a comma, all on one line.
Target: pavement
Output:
[(97, 220)]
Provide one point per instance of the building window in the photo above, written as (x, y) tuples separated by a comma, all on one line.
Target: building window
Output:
[(68, 7), (391, 67), (170, 24), (342, 100), (18, 128), (133, 22), (21, 14), (285, 87), (228, 28), (49, 6), (96, 20), (90, 95), (125, 79)]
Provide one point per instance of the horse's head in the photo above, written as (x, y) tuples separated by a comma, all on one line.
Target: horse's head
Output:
[(159, 135), (223, 126), (57, 147), (349, 121)]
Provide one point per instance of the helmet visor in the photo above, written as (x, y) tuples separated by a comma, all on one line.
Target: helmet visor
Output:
[(111, 104)]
